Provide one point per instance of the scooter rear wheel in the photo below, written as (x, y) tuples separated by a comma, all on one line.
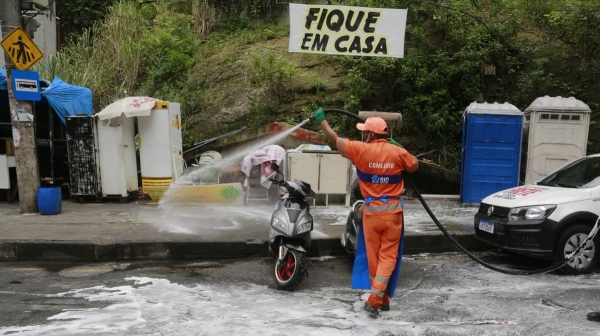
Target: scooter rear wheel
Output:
[(289, 272)]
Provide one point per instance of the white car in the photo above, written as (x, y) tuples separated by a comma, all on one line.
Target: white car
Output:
[(548, 219)]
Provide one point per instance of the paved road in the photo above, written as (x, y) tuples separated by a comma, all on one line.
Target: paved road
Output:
[(442, 294)]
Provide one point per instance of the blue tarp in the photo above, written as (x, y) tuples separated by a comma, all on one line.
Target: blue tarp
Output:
[(65, 99), (3, 85), (68, 100)]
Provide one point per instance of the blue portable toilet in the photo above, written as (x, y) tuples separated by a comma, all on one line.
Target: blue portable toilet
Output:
[(491, 150)]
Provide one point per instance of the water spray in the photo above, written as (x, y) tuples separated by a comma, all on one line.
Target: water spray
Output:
[(238, 155), (407, 177)]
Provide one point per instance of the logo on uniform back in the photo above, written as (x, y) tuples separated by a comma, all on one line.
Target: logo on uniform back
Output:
[(380, 180)]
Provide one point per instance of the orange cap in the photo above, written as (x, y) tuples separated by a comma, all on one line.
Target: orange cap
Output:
[(373, 124)]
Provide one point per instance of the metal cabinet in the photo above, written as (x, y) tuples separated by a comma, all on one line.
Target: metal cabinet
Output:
[(326, 172), (333, 174)]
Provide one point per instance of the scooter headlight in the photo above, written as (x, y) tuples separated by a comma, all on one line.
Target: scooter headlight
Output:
[(304, 227), (278, 225)]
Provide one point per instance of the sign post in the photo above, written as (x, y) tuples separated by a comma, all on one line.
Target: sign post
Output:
[(26, 85), (21, 53), (21, 50)]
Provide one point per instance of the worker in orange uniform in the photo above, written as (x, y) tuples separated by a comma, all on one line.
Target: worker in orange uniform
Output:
[(379, 166)]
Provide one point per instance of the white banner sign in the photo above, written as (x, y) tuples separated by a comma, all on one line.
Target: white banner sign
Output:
[(345, 30)]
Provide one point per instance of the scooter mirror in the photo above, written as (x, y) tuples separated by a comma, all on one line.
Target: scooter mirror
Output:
[(275, 166)]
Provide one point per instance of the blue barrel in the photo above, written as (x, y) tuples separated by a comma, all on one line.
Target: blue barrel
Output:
[(49, 200)]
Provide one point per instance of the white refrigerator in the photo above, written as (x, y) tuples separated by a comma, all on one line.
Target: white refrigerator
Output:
[(116, 149), (160, 142)]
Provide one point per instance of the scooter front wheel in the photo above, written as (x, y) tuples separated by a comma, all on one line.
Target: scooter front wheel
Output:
[(290, 270)]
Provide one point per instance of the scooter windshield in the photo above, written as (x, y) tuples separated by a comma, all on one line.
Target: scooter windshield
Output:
[(294, 208), (292, 203)]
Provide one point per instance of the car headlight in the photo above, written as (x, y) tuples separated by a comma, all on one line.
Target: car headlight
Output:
[(538, 212), (279, 225), (304, 227)]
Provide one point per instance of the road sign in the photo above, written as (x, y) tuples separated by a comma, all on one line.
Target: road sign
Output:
[(20, 49), (26, 85)]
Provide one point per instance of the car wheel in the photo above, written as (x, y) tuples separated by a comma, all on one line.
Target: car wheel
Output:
[(570, 239)]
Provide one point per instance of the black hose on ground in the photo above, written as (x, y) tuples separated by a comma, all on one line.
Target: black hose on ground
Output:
[(408, 178)]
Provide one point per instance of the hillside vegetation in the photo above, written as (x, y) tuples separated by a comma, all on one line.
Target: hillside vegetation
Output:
[(227, 63)]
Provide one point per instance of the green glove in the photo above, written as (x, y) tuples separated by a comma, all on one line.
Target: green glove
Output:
[(318, 115), (394, 142)]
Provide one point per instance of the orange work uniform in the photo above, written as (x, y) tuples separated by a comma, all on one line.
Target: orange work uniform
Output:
[(379, 167)]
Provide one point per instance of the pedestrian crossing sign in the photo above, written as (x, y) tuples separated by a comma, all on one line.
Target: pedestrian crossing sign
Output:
[(20, 49)]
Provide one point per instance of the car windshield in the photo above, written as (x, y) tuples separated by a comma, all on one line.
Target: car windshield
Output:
[(583, 173)]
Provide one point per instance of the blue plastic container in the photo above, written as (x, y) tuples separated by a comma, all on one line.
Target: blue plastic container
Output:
[(49, 200), (491, 150)]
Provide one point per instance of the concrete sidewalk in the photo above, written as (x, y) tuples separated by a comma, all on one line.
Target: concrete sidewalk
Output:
[(138, 231)]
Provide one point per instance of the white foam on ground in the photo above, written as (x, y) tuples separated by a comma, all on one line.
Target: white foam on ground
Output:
[(159, 307), (459, 298)]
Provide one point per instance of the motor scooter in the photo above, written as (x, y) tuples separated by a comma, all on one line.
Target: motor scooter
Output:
[(289, 235), (353, 223), (349, 238)]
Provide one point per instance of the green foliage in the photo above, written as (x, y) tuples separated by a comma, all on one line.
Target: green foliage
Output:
[(447, 47), (315, 83), (533, 79), (240, 14), (150, 44), (251, 35), (576, 24), (104, 58), (168, 49), (78, 16), (199, 55), (273, 75)]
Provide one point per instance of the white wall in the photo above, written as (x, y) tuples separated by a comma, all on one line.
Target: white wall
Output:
[(46, 35)]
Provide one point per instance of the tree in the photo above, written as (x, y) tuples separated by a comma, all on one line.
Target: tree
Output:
[(77, 15)]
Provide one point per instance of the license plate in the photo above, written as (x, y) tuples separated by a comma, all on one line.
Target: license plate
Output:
[(486, 226)]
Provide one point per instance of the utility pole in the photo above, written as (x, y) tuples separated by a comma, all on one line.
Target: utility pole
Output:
[(28, 179)]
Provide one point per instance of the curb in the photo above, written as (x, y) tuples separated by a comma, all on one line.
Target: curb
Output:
[(91, 252)]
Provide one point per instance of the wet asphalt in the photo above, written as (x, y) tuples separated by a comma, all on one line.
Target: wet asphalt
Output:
[(438, 294)]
